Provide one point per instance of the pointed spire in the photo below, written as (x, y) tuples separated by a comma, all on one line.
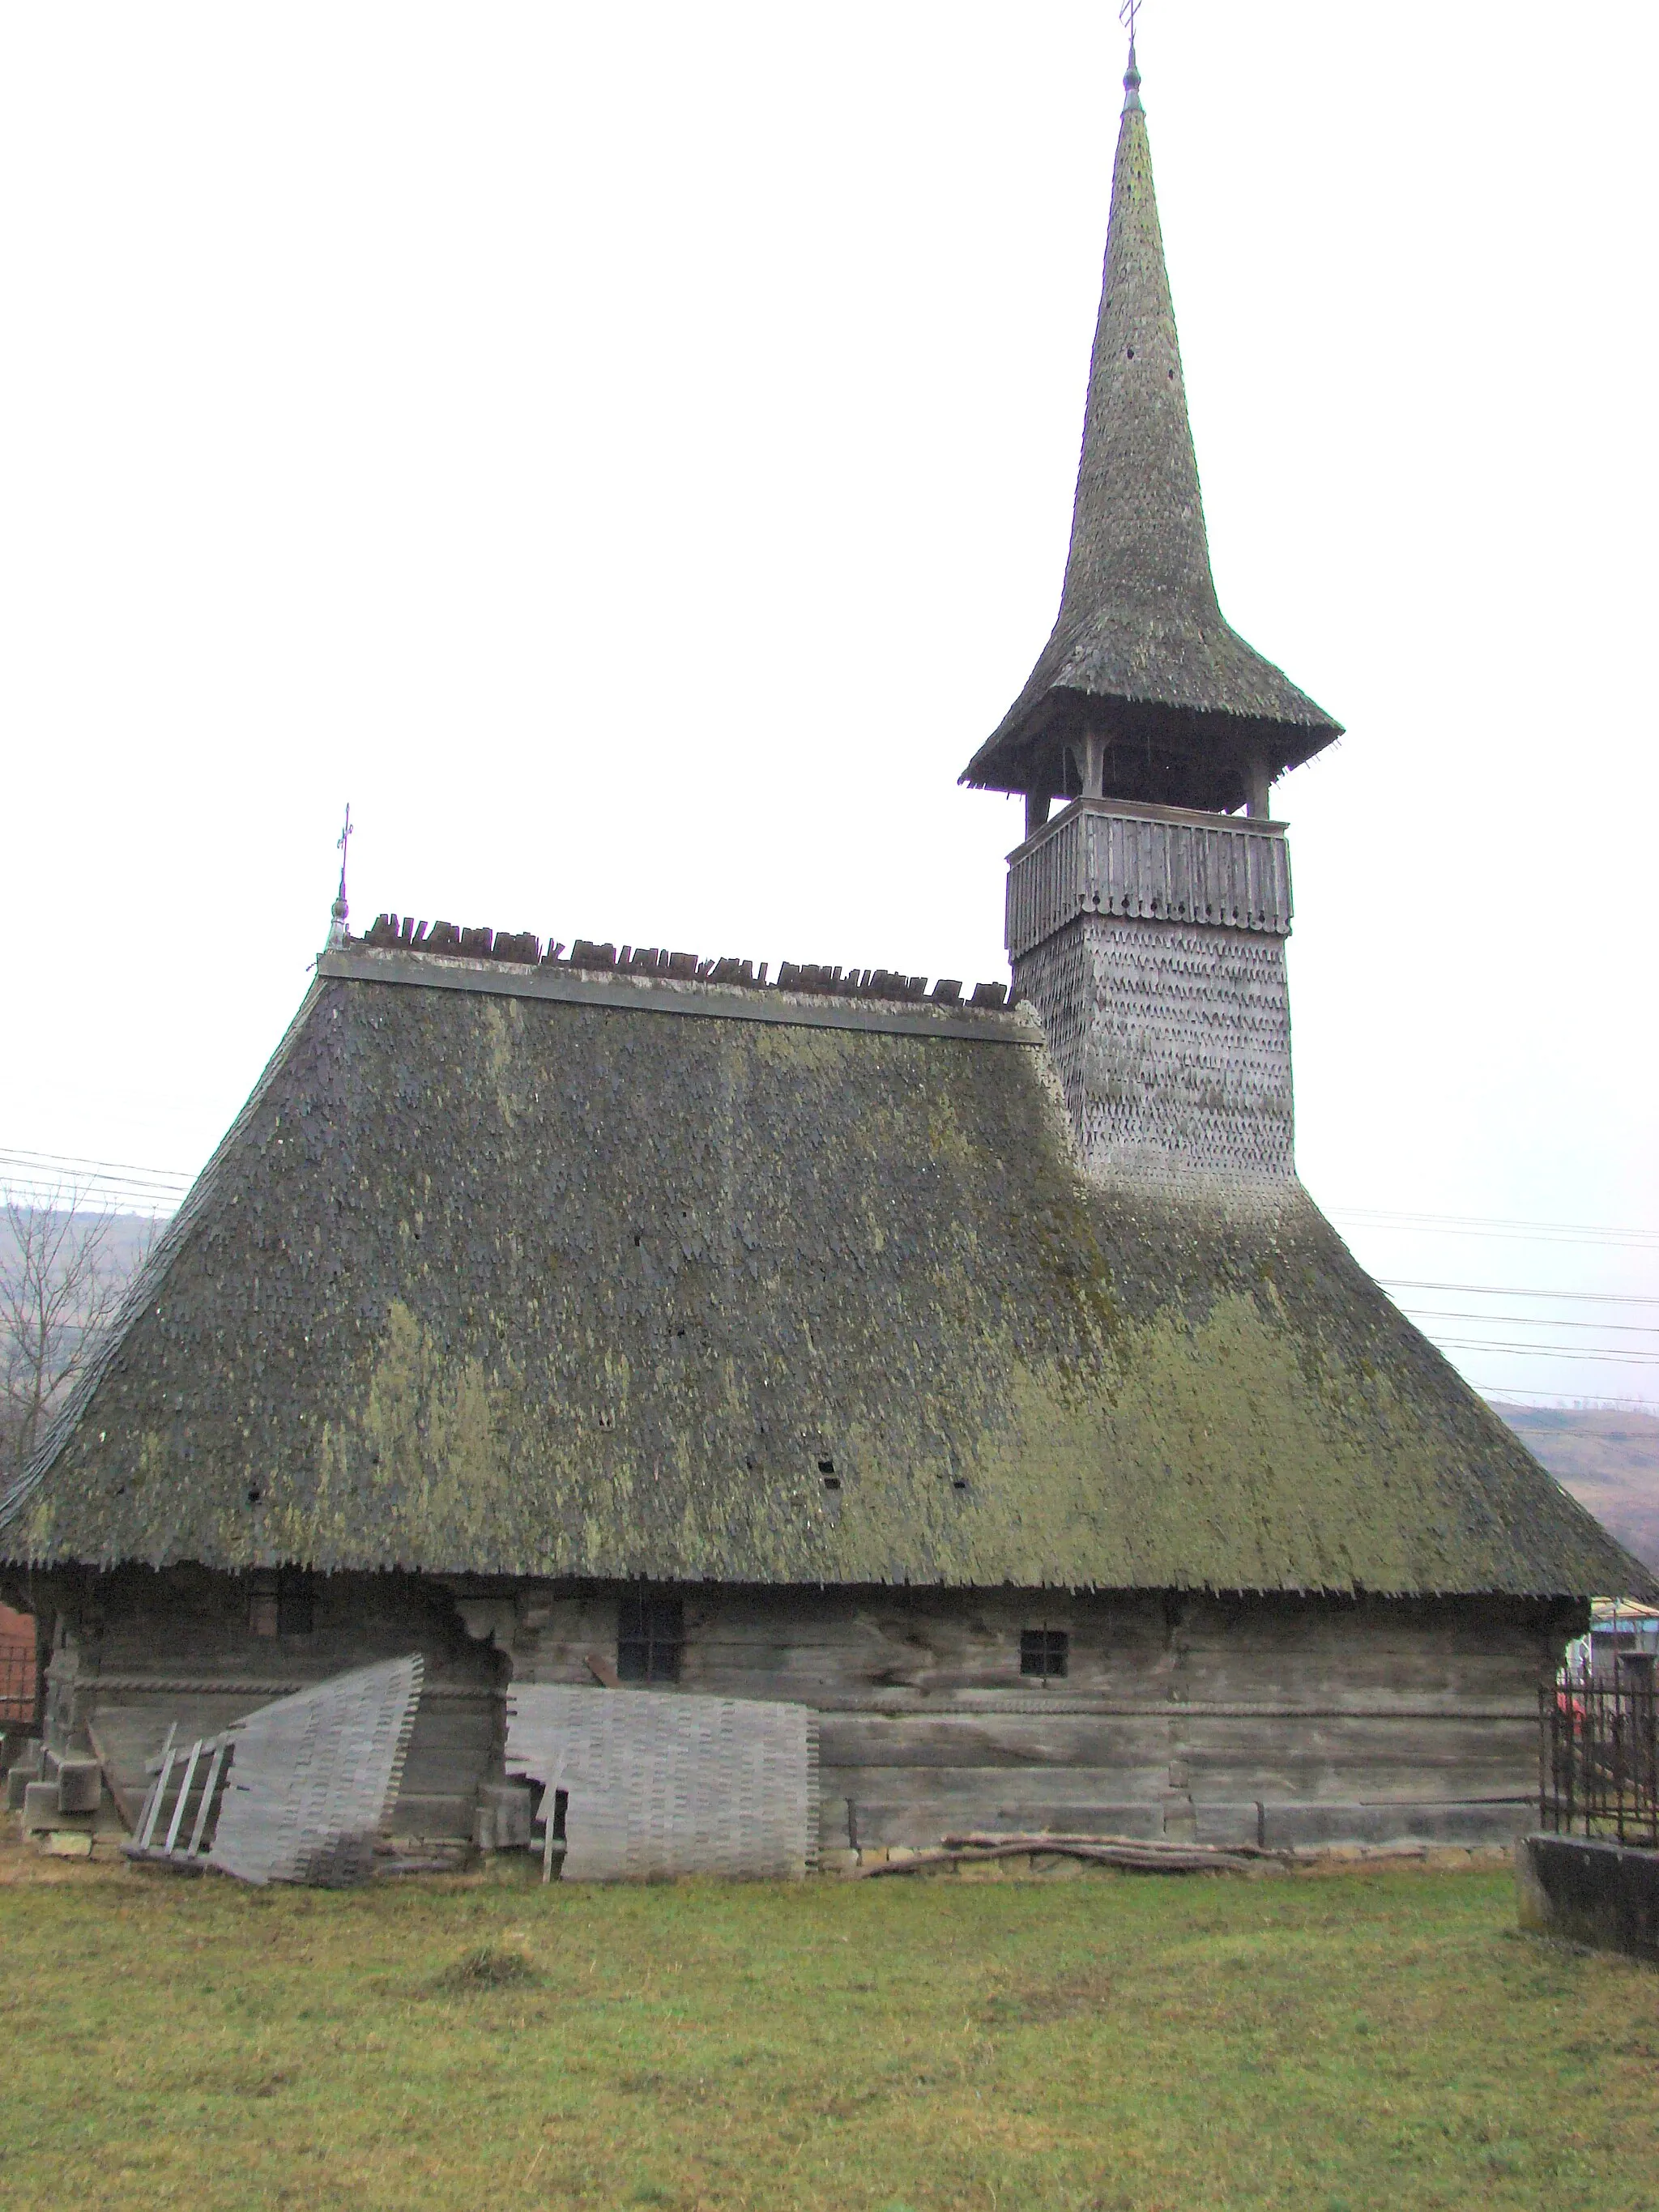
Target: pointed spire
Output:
[(339, 913), (1143, 691)]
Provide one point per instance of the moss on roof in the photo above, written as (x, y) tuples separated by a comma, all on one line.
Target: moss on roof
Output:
[(506, 1284)]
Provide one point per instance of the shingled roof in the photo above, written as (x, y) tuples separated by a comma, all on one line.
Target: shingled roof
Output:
[(1139, 651), (507, 1270)]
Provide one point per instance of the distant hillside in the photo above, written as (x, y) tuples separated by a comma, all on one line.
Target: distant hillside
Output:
[(1609, 1462)]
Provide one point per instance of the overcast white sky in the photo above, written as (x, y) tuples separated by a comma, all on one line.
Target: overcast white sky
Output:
[(628, 454)]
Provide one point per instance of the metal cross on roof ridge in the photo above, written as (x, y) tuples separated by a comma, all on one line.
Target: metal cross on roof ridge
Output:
[(343, 841), (1126, 15)]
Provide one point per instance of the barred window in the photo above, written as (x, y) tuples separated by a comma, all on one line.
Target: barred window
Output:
[(1043, 1651), (650, 1636)]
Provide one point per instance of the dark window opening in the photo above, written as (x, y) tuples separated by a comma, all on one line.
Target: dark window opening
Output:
[(1043, 1651), (826, 1466), (262, 1605), (280, 1604), (294, 1610), (650, 1636)]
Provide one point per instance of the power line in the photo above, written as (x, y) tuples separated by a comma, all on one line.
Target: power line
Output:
[(51, 1182), (69, 1161), (1598, 1354), (1514, 1291), (1532, 1321), (1504, 1394), (1475, 1224)]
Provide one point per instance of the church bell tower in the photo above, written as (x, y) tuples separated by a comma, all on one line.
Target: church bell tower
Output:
[(1147, 917)]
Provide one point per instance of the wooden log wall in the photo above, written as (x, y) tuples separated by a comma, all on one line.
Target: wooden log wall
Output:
[(142, 1650), (1267, 1719), (1264, 1719)]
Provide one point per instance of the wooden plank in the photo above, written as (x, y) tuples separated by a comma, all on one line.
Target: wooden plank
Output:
[(129, 1807), (987, 1740), (1446, 1741), (183, 1799), (218, 1748), (153, 1804), (887, 1820), (1008, 1785)]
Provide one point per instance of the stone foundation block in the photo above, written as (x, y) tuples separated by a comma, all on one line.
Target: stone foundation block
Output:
[(502, 1821), (1584, 1892), (80, 1785), (41, 1810), (25, 1767)]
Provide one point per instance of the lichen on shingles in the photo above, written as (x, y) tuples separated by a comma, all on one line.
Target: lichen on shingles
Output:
[(535, 1287)]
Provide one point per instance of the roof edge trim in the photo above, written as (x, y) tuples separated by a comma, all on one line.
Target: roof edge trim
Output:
[(662, 995)]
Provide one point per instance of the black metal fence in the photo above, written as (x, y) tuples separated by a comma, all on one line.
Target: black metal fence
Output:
[(1598, 1759), (18, 1686)]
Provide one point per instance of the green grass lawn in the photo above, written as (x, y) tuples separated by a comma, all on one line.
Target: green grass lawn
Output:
[(1356, 2040)]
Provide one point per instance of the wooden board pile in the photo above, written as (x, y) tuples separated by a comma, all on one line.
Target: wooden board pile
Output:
[(297, 1791), (1139, 1854)]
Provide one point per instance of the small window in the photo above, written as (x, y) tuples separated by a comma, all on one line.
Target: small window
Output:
[(650, 1636), (294, 1609), (1043, 1652), (262, 1605), (279, 1604)]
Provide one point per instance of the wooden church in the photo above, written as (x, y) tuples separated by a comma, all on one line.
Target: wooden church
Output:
[(971, 1370)]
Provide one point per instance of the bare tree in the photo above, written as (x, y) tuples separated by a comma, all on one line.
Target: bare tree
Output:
[(64, 1268)]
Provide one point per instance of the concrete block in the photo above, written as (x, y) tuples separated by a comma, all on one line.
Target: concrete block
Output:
[(40, 1808), (28, 1761), (80, 1785), (1584, 1892), (68, 1844), (17, 1781)]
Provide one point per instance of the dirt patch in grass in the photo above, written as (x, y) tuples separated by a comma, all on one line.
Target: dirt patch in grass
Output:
[(1371, 2039)]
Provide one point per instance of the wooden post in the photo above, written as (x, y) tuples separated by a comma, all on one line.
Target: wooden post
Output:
[(1090, 753)]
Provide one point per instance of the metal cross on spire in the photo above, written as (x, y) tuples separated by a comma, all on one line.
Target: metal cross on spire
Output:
[(1127, 13), (337, 926)]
